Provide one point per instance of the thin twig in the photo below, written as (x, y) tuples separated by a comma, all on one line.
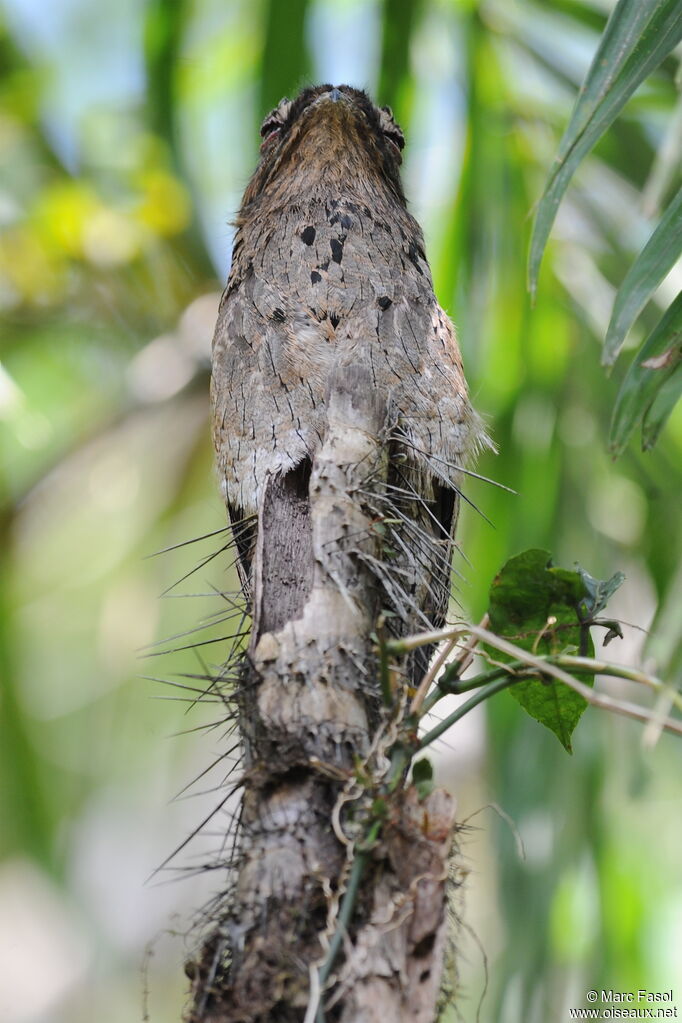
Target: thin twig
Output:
[(454, 670), (553, 667), (599, 667), (458, 667), (544, 666), (425, 683), (409, 643)]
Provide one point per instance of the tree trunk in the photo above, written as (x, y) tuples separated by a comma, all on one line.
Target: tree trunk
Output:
[(326, 809)]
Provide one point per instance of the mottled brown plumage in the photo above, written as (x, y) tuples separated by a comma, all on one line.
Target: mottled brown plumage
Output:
[(329, 269)]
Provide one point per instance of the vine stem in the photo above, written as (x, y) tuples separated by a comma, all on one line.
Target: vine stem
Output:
[(459, 686), (484, 693), (602, 700), (343, 919), (552, 666), (454, 670), (584, 664)]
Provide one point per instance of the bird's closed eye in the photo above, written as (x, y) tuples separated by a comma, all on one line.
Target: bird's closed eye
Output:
[(274, 122), (270, 129), (392, 132), (396, 140), (269, 133)]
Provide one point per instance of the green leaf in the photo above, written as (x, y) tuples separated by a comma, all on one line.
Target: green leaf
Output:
[(543, 609), (599, 591), (653, 367), (658, 412), (655, 260), (422, 776), (626, 22), (632, 46), (422, 770)]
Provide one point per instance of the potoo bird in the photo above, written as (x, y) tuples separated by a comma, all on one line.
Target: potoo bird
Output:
[(328, 269)]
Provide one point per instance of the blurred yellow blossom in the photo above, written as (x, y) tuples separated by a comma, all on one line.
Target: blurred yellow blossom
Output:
[(165, 206), (61, 215), (29, 272)]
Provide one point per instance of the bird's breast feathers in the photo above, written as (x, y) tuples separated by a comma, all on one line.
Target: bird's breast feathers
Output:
[(317, 288)]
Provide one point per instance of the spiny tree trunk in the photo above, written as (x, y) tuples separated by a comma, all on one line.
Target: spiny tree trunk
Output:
[(317, 771)]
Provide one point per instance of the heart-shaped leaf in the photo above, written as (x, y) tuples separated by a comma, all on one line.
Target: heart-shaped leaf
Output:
[(546, 609)]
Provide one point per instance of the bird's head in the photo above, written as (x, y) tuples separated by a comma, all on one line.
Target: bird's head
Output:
[(327, 135)]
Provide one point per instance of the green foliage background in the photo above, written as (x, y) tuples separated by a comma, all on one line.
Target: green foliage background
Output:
[(129, 130)]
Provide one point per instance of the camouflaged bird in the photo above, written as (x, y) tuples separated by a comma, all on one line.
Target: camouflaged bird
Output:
[(329, 269)]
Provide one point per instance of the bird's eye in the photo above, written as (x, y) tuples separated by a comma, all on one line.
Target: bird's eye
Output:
[(269, 133), (271, 123), (270, 129), (392, 132), (397, 142), (396, 138), (274, 122)]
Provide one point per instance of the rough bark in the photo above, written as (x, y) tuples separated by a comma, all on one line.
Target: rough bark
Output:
[(315, 709), (394, 966)]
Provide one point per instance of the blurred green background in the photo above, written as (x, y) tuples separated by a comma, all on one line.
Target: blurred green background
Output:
[(128, 130)]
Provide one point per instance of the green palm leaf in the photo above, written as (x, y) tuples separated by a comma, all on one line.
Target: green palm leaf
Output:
[(655, 367), (657, 414), (630, 57), (637, 38), (619, 38), (656, 258)]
